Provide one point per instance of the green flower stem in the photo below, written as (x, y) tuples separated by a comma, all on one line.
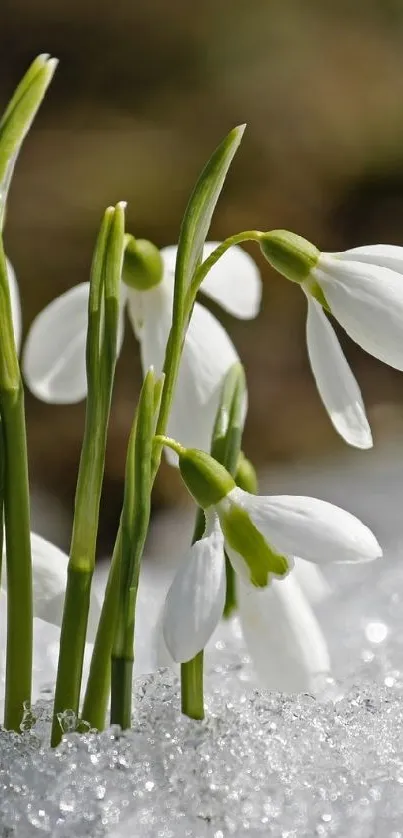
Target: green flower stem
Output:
[(121, 689), (99, 678), (225, 448), (19, 564), (205, 267), (171, 368), (135, 521), (17, 517), (103, 316), (2, 490), (192, 698), (192, 693)]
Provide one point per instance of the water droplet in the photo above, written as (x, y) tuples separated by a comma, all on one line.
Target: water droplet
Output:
[(376, 632)]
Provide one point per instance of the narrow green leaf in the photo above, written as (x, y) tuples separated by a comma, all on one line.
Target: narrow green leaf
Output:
[(18, 117), (136, 510), (199, 211), (228, 427), (135, 520)]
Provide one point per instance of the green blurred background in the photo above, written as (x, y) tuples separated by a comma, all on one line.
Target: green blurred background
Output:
[(143, 93)]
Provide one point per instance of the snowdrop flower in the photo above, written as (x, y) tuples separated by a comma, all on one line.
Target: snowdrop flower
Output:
[(54, 356), (260, 535), (283, 637), (363, 290)]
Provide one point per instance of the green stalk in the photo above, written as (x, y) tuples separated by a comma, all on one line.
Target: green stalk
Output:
[(192, 693), (2, 490), (99, 678), (204, 268), (19, 563), (103, 314), (135, 521), (17, 520), (225, 448), (121, 688), (14, 126)]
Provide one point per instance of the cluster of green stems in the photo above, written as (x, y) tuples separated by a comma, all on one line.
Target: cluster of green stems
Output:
[(111, 669)]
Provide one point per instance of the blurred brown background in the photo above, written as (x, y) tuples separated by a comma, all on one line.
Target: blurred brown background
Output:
[(143, 93)]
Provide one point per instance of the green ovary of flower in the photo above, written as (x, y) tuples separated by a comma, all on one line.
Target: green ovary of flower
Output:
[(291, 255), (142, 265), (208, 481), (241, 534)]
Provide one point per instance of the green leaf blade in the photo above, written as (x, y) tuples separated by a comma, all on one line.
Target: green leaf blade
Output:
[(199, 211)]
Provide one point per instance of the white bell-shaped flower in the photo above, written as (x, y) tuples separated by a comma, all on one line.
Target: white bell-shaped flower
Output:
[(285, 642), (261, 535), (54, 353), (363, 289)]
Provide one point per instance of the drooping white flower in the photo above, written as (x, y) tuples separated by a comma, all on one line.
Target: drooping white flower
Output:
[(54, 354), (261, 535), (363, 290), (49, 579), (285, 641)]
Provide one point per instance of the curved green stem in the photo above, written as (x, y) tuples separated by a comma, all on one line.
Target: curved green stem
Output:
[(205, 267)]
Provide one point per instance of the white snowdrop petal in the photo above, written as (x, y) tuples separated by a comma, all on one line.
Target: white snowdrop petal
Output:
[(49, 580), (239, 565), (195, 600), (383, 255), (45, 659), (208, 353), (234, 282), (49, 577), (54, 352), (336, 384), (311, 580), (284, 639), (310, 528), (168, 255), (15, 304), (367, 300)]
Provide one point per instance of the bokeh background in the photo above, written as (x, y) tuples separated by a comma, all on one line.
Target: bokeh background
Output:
[(143, 93)]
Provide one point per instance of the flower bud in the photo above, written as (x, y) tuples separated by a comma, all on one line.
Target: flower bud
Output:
[(290, 255), (142, 266), (208, 481)]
